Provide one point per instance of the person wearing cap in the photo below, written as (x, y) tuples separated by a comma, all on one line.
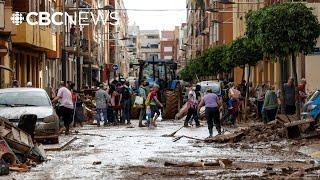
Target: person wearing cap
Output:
[(153, 102), (212, 103), (102, 100)]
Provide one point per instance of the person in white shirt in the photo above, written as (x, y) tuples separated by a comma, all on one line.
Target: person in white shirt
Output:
[(64, 97)]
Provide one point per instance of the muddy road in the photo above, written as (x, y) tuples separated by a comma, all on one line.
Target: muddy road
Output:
[(140, 153)]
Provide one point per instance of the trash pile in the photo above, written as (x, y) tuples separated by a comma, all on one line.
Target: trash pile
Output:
[(276, 130), (18, 152), (273, 131)]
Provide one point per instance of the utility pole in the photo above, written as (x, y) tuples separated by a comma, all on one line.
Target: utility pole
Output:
[(78, 51), (63, 50), (90, 63)]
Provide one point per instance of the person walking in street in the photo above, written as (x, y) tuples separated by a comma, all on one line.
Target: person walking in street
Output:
[(270, 105), (261, 91), (78, 115), (192, 106), (142, 93), (212, 103), (152, 104), (102, 99), (64, 97), (233, 108), (112, 109), (289, 97), (119, 105), (126, 102)]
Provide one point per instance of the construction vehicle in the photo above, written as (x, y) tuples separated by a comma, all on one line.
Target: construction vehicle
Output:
[(162, 72)]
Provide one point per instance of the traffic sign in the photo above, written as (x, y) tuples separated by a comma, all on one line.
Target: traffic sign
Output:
[(115, 67)]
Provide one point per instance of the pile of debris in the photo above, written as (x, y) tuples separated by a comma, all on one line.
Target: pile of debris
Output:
[(273, 131), (18, 151), (282, 127)]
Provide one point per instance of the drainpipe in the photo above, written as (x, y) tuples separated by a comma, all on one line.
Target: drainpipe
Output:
[(63, 50), (78, 51)]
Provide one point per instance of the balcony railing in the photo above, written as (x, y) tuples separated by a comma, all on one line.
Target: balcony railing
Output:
[(202, 26)]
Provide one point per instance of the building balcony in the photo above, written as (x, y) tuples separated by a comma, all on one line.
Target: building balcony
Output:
[(36, 37), (6, 26), (70, 5)]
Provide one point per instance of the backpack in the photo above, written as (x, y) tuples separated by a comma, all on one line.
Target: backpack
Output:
[(126, 93)]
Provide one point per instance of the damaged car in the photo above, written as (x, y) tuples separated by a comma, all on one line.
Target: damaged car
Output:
[(16, 102)]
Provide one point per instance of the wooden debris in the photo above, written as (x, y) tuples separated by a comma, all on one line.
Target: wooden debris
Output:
[(19, 168), (295, 123), (185, 164), (88, 134), (224, 163), (96, 163), (61, 148), (192, 164), (315, 168), (233, 137)]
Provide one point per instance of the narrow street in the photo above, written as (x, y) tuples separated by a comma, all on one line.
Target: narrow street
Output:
[(140, 153), (159, 89)]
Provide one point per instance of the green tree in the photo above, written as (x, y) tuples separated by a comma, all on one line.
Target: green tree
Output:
[(245, 52), (284, 30), (211, 62)]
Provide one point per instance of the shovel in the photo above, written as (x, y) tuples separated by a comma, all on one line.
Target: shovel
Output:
[(172, 134)]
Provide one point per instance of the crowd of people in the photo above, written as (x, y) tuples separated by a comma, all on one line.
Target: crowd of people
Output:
[(114, 101), (267, 101)]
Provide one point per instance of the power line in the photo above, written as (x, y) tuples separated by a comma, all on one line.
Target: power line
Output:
[(156, 10)]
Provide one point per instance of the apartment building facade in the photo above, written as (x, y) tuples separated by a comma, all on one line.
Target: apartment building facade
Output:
[(168, 45), (149, 44), (268, 72), (7, 30), (209, 23)]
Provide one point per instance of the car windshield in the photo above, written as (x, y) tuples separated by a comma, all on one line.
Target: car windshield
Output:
[(315, 96), (215, 88), (24, 98)]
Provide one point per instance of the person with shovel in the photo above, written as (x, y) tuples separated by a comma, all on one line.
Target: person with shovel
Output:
[(152, 104), (192, 106), (212, 103)]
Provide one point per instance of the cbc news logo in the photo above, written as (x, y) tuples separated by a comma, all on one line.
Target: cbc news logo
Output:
[(17, 18), (81, 18)]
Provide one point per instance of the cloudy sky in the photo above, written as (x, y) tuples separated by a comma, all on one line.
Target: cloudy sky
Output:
[(155, 19)]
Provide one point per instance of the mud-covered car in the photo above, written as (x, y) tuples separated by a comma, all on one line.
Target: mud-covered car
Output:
[(312, 107), (15, 102), (215, 86)]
